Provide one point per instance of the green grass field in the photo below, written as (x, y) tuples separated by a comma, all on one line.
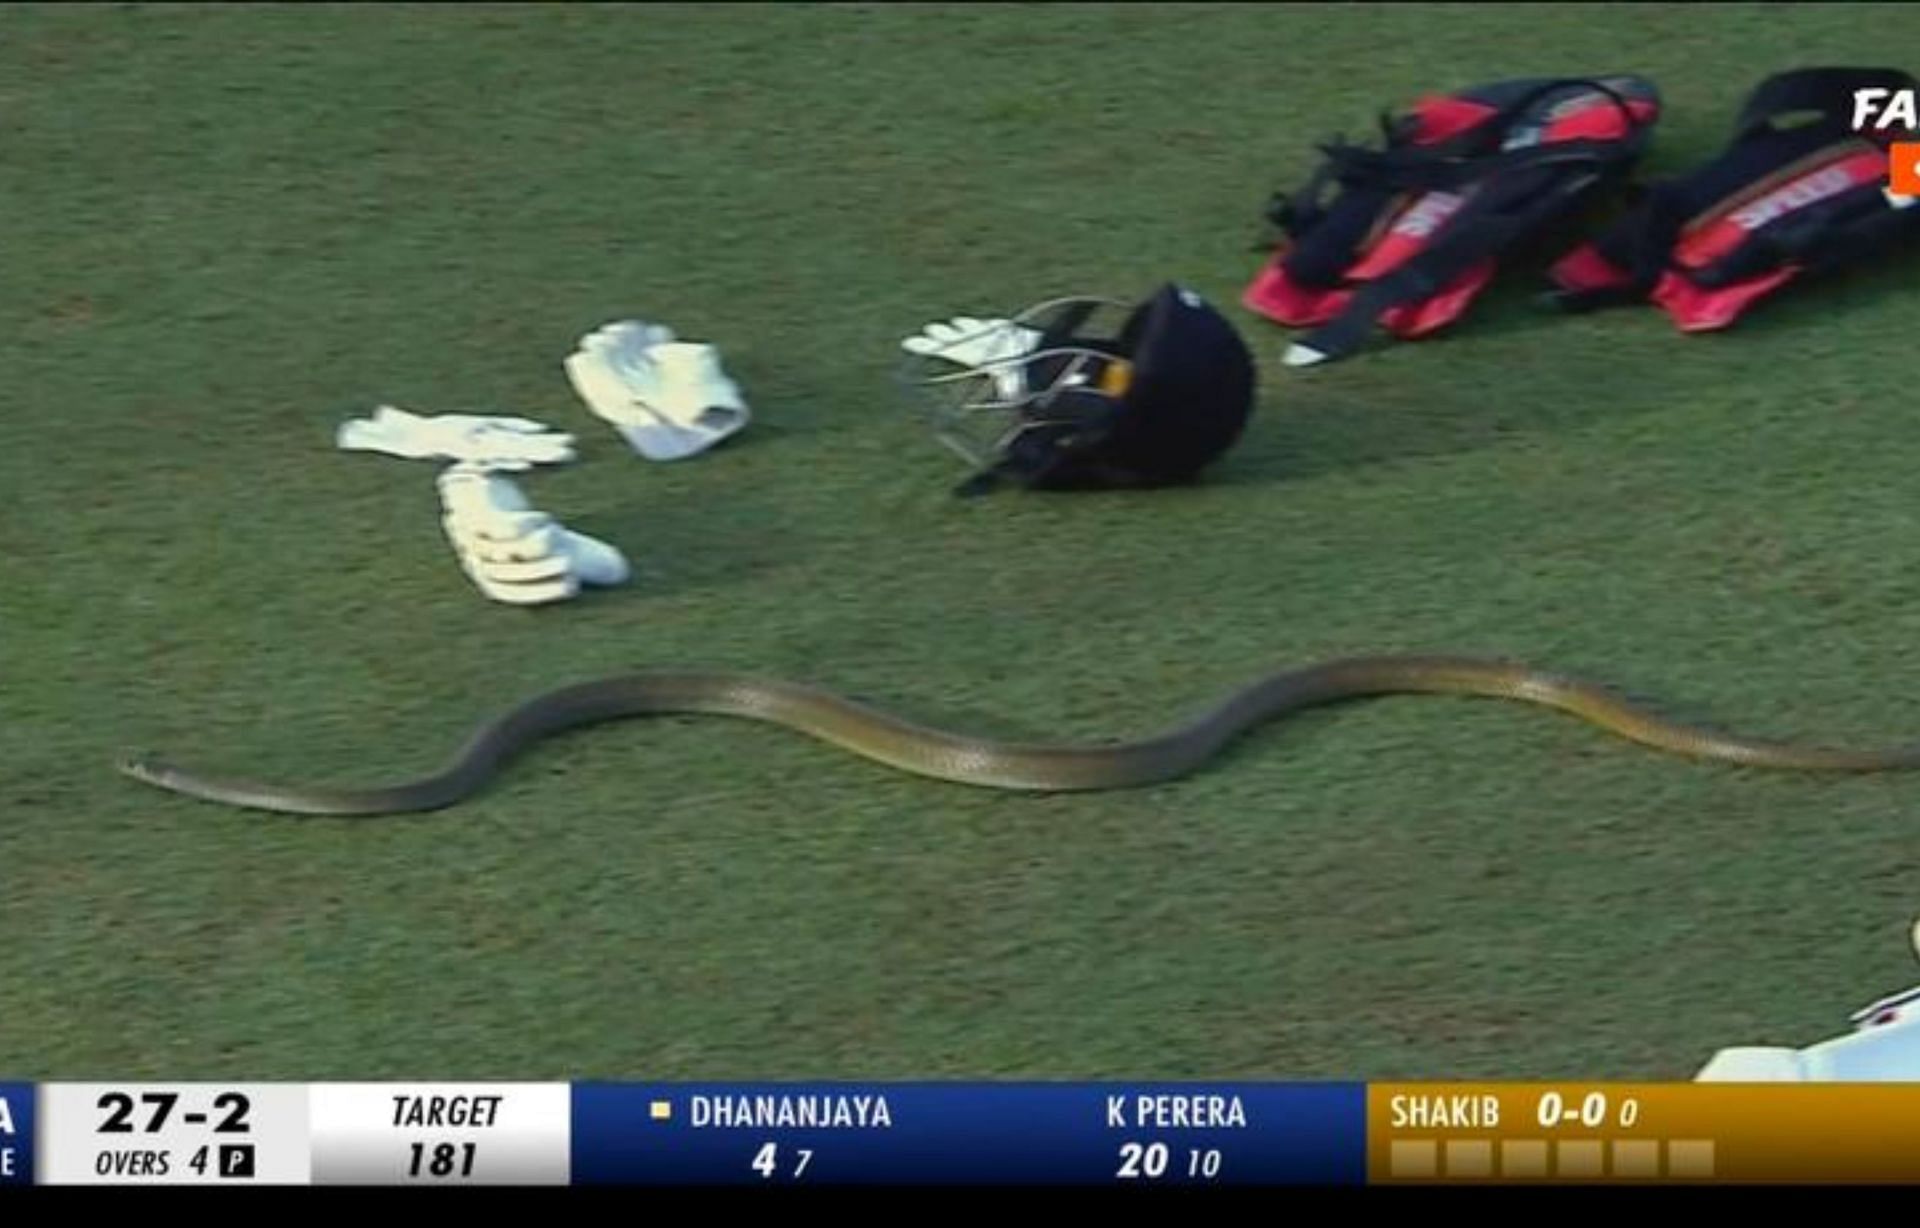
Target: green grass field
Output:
[(231, 228)]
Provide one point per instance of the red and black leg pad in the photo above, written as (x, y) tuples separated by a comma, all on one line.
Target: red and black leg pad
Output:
[(1413, 231), (1786, 199)]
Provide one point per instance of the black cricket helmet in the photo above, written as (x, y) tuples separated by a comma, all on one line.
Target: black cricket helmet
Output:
[(1086, 393)]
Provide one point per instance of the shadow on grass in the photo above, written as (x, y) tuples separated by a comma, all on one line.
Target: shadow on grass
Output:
[(1514, 367), (686, 541)]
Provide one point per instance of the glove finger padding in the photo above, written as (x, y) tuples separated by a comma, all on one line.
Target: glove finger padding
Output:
[(514, 553)]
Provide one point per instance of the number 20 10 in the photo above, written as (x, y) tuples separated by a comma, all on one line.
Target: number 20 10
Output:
[(1150, 1161)]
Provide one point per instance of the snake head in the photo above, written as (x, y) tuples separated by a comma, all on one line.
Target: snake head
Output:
[(141, 766)]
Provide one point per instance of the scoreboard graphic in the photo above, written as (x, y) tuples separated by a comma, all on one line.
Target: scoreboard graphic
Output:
[(1269, 1134)]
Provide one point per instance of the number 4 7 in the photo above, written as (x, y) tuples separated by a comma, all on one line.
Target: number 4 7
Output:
[(764, 1163)]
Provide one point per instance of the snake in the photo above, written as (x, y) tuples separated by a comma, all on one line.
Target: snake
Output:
[(941, 754)]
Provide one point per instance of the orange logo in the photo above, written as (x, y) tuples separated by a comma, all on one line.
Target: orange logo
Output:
[(1903, 168)]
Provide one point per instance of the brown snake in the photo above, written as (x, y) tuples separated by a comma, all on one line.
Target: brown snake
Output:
[(975, 761)]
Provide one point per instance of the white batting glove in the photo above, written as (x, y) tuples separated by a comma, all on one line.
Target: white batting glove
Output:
[(668, 398), (971, 342), (514, 553), (506, 443)]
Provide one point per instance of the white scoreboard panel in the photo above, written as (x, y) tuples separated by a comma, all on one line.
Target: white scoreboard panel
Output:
[(301, 1134), (172, 1134), (426, 1133)]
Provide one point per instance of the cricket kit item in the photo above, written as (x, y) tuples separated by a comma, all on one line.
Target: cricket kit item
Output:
[(1798, 192), (1407, 236), (514, 553), (668, 398), (500, 442), (1085, 393)]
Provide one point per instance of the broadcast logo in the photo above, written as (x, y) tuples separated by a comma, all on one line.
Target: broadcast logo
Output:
[(1879, 109)]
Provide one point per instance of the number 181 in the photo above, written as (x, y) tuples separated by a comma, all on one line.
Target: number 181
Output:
[(442, 1161)]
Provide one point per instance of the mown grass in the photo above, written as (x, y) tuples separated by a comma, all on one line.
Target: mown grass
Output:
[(229, 228)]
